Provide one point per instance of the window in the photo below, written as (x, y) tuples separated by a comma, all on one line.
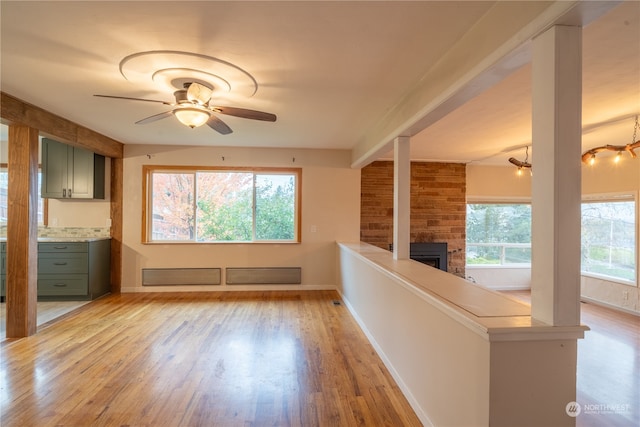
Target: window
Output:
[(498, 234), (609, 238), (4, 193), (221, 205)]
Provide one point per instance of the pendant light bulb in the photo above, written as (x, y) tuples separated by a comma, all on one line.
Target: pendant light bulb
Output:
[(618, 157)]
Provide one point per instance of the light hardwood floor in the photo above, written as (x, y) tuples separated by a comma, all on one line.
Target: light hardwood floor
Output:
[(253, 359), (608, 383), (47, 312), (200, 359)]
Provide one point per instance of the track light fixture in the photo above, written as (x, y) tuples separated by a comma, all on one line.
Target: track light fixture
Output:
[(522, 164), (590, 155)]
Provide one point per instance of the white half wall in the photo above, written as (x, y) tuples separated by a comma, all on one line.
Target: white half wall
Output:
[(500, 278), (463, 355)]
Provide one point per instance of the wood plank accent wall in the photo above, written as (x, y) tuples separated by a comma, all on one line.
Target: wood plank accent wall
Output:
[(438, 207)]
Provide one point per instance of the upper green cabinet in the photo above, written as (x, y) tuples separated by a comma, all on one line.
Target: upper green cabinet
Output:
[(70, 172)]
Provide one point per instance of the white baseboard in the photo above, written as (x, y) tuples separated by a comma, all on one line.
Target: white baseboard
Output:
[(593, 301)]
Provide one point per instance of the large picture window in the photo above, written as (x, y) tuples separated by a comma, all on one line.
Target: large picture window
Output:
[(609, 238), (221, 205), (498, 234)]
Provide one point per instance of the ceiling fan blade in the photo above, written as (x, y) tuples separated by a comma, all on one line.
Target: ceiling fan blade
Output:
[(200, 94), (135, 99), (154, 118), (218, 125), (246, 114)]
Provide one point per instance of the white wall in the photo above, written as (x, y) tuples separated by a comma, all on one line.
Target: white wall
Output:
[(83, 213), (500, 183), (330, 206)]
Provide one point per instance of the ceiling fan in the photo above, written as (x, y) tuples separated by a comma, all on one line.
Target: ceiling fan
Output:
[(193, 109)]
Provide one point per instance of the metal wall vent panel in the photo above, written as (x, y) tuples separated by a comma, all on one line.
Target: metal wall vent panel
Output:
[(264, 276), (180, 276)]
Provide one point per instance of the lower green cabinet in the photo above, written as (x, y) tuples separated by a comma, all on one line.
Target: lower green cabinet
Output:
[(69, 270), (62, 285), (74, 270)]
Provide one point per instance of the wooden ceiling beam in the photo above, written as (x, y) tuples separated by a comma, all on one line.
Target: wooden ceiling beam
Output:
[(16, 111)]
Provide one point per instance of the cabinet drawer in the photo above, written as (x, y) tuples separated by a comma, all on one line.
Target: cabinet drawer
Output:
[(53, 263), (63, 247), (53, 285)]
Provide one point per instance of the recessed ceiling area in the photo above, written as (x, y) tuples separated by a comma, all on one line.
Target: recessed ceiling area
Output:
[(497, 123), (332, 72)]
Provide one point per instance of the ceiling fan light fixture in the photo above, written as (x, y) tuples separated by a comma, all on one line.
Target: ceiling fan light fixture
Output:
[(198, 93), (192, 117)]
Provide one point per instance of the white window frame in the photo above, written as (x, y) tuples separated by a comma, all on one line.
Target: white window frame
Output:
[(601, 197), (616, 197), (497, 201)]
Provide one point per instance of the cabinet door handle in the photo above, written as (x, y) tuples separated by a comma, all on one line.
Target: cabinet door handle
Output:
[(64, 192), (60, 285), (59, 247), (59, 263), (69, 192)]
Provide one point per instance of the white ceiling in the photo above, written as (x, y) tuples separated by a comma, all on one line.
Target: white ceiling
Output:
[(333, 72)]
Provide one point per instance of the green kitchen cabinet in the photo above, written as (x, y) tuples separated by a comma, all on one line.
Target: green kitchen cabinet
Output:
[(74, 270), (70, 172)]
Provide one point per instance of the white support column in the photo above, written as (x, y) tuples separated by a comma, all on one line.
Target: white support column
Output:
[(556, 182), (401, 197)]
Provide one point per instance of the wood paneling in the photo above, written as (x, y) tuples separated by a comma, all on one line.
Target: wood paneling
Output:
[(22, 245), (438, 207), (195, 359), (16, 111)]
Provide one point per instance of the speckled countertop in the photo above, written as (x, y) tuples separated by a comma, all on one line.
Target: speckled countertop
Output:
[(64, 239)]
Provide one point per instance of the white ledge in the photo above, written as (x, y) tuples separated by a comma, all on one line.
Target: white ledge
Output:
[(493, 315)]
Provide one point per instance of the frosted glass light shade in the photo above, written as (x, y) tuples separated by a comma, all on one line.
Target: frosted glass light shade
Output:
[(192, 117)]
